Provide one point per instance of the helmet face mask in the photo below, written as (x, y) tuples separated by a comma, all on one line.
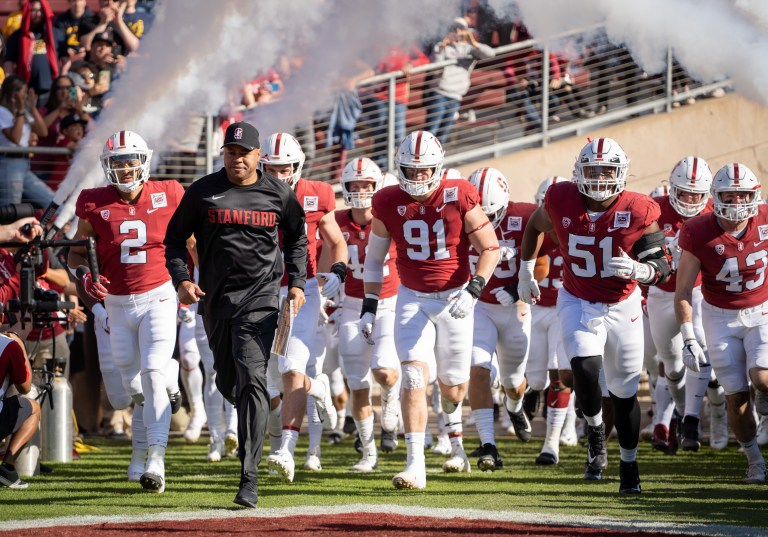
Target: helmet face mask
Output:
[(733, 179), (601, 169), (360, 169), (126, 155), (281, 149), (691, 177), (419, 151), (494, 193)]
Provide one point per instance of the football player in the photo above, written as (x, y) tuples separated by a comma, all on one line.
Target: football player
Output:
[(502, 322), (689, 185), (360, 180), (128, 220), (598, 224), (432, 223), (293, 375), (727, 247)]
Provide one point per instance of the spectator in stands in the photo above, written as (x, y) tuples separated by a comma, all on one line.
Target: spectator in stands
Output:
[(107, 61), (13, 22), (137, 21), (109, 18), (19, 118), (398, 59), (66, 26), (482, 19), (84, 74), (71, 130), (524, 92), (453, 83), (31, 52), (262, 89), (569, 93)]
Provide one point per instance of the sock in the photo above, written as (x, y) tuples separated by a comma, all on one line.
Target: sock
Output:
[(414, 443), (664, 405), (677, 389), (275, 426), (557, 408), (627, 455), (716, 394), (596, 420), (513, 405), (452, 420), (695, 387), (316, 388), (484, 423), (288, 441), (314, 427), (365, 429), (752, 451)]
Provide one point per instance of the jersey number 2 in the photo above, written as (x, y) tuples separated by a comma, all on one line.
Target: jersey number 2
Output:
[(128, 248)]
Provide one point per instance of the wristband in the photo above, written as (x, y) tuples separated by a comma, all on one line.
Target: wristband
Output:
[(527, 266), (370, 305), (686, 330), (475, 286), (81, 271), (340, 269)]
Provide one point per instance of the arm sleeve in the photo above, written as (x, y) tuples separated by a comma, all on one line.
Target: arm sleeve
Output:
[(292, 225), (181, 226), (483, 51)]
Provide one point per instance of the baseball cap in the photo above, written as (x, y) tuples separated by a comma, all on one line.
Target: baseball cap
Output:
[(107, 35), (460, 22), (71, 119), (78, 80), (243, 134)]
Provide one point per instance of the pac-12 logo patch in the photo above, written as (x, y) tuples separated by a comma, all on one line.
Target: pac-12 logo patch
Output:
[(401, 210), (105, 214), (566, 222), (159, 200), (720, 249), (345, 234), (667, 229)]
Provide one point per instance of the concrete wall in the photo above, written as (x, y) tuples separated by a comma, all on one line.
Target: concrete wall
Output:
[(720, 130)]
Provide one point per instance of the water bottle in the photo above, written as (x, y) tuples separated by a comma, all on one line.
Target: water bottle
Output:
[(56, 423)]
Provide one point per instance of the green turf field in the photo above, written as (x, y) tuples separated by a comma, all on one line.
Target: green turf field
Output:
[(689, 487)]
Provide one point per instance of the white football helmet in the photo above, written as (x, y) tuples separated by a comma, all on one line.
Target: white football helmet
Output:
[(121, 147), (660, 191), (279, 149), (692, 175), (594, 158), (452, 173), (494, 193), (360, 169), (419, 150), (736, 177), (544, 186), (390, 180)]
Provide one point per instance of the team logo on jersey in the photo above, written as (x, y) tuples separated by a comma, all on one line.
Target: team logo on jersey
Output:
[(422, 210), (451, 194), (720, 249), (763, 231), (310, 203), (591, 227), (159, 200), (741, 246), (621, 219), (566, 222), (132, 210), (361, 235), (667, 229), (345, 235), (401, 210), (514, 223), (105, 214)]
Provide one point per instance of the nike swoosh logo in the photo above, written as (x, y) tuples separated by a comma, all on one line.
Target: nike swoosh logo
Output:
[(523, 314), (633, 319), (758, 243), (590, 458), (164, 299), (612, 229), (441, 207), (765, 313), (217, 197), (150, 211)]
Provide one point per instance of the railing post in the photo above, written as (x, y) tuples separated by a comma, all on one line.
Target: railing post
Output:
[(208, 144), (391, 124), (670, 62), (545, 95)]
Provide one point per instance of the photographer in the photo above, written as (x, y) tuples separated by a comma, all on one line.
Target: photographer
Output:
[(19, 416), (459, 44)]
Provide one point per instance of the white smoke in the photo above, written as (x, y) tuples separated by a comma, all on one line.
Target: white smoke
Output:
[(199, 50), (710, 38)]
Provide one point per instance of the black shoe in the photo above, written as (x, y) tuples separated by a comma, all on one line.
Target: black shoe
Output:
[(531, 403), (335, 437), (489, 460), (175, 399), (9, 477), (521, 424), (591, 474), (690, 429), (349, 425), (629, 475), (597, 454), (476, 452), (358, 444), (388, 441), (247, 495), (675, 429), (546, 458)]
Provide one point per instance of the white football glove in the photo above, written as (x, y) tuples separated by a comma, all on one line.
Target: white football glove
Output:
[(507, 253), (504, 298), (101, 317), (462, 304), (626, 268), (366, 324), (527, 287), (693, 355), (675, 251), (331, 285), (185, 315)]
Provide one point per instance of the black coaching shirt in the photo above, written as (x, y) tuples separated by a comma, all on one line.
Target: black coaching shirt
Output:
[(236, 229)]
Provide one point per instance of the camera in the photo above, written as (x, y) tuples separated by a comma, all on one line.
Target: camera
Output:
[(14, 211)]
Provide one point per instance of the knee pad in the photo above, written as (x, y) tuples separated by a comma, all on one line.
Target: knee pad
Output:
[(413, 377), (587, 368)]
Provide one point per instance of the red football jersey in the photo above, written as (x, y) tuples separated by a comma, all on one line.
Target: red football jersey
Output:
[(587, 246), (554, 280), (317, 199), (509, 233), (129, 236), (432, 246), (357, 243), (732, 270), (670, 223)]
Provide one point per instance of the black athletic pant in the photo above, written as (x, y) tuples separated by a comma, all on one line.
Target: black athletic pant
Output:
[(241, 348)]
